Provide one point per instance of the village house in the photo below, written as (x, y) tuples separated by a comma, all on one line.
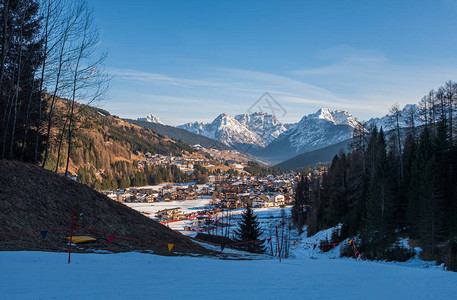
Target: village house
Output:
[(275, 200), (124, 196), (258, 202), (169, 214)]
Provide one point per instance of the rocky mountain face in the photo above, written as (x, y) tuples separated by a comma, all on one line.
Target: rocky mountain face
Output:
[(243, 132), (266, 126)]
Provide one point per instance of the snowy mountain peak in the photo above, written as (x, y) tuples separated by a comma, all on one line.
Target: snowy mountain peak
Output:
[(225, 120), (324, 113), (151, 119), (337, 117)]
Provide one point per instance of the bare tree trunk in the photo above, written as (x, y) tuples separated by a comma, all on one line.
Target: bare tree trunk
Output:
[(43, 68), (53, 100), (24, 140), (82, 48), (70, 131), (62, 132), (16, 97)]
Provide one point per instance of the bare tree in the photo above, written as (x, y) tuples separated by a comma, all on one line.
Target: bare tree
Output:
[(423, 109), (90, 82), (440, 103), (411, 120), (52, 12), (67, 32), (432, 109)]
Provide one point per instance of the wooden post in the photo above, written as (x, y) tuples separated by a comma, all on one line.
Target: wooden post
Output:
[(277, 242), (355, 251), (71, 235)]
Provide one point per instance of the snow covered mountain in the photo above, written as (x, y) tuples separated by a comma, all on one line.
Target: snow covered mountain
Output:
[(266, 126), (151, 119), (314, 131), (265, 136), (408, 114), (243, 132)]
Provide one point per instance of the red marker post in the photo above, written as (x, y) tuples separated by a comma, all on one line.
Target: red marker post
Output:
[(71, 235), (277, 239)]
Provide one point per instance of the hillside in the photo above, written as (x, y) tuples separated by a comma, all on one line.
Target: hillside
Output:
[(35, 199), (106, 148), (313, 158), (179, 134)]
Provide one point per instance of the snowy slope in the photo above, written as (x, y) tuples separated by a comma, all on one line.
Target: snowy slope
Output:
[(46, 275), (151, 119)]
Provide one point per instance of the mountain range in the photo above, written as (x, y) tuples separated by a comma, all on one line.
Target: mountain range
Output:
[(264, 136), (243, 132)]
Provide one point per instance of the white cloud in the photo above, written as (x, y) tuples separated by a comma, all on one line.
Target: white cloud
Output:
[(364, 82), (130, 75)]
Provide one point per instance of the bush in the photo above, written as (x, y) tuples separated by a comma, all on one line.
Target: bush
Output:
[(346, 250), (376, 251), (448, 255), (398, 253), (335, 238), (325, 246)]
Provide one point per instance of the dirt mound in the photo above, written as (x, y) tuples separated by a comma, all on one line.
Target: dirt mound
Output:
[(33, 199)]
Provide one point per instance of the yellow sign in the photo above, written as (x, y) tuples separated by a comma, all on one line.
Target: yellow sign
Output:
[(81, 239)]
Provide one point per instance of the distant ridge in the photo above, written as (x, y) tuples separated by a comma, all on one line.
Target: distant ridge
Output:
[(181, 135), (321, 156)]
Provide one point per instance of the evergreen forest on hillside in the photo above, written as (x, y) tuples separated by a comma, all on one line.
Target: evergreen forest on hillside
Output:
[(384, 190)]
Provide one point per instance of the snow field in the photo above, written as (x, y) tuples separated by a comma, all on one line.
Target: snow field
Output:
[(46, 275)]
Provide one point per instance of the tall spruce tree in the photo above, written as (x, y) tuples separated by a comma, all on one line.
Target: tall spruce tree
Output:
[(249, 231), (378, 220), (301, 201)]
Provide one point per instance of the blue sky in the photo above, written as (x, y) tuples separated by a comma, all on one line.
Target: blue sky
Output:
[(192, 60)]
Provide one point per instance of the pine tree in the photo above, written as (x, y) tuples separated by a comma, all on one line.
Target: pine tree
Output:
[(249, 230), (301, 201), (378, 221)]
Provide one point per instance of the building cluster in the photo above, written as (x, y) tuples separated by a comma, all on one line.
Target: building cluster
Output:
[(223, 192), (184, 162), (270, 191)]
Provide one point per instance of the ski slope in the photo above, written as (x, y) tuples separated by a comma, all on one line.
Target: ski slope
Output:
[(46, 275)]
